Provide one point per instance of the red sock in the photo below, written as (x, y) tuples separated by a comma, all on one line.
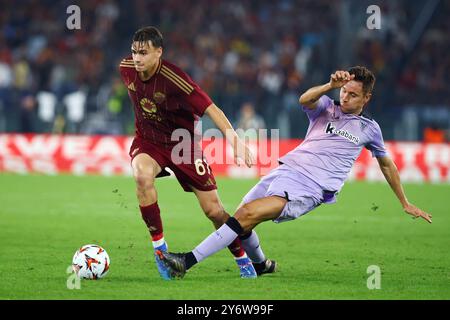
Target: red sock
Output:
[(236, 248), (152, 219)]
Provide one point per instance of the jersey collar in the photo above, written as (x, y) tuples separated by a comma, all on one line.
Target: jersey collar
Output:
[(159, 66)]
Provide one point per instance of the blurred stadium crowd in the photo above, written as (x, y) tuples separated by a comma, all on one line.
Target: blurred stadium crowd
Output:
[(257, 53)]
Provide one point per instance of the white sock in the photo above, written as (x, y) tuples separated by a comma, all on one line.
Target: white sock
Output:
[(253, 249), (158, 243), (215, 242)]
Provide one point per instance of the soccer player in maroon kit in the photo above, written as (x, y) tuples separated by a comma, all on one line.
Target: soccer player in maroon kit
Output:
[(165, 99)]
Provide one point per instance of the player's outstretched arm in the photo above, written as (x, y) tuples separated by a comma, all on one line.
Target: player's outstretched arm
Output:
[(392, 176), (311, 96), (241, 150)]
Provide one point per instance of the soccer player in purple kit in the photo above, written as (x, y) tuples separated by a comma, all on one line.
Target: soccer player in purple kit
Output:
[(166, 99), (314, 172)]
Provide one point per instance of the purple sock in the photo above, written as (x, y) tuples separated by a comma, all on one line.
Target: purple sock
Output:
[(216, 241), (252, 247)]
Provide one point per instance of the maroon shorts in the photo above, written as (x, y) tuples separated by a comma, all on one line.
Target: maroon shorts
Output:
[(196, 173)]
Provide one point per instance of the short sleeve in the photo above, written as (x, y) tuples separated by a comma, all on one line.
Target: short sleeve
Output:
[(189, 92), (376, 144), (197, 99), (323, 103)]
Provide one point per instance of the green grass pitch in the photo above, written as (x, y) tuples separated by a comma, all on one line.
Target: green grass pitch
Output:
[(323, 255)]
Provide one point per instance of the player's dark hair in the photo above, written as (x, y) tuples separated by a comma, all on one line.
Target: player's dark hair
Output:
[(149, 34), (365, 76)]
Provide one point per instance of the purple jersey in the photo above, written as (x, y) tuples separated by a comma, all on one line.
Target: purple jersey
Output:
[(332, 144)]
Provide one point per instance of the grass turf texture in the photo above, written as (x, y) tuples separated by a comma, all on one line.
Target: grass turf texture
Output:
[(323, 255)]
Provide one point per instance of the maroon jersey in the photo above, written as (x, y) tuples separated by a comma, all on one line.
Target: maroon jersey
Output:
[(169, 100)]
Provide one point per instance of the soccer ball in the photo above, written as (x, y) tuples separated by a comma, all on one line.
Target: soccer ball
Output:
[(91, 262)]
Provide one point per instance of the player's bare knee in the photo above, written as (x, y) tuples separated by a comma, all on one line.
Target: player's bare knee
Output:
[(244, 214), (216, 213), (144, 181)]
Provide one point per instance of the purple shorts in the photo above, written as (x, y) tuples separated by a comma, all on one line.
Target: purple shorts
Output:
[(303, 194)]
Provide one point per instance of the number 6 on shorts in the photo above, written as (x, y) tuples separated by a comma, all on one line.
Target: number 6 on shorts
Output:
[(200, 167)]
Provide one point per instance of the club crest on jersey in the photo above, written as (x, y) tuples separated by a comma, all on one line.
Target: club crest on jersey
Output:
[(330, 129), (159, 97), (148, 105), (362, 125), (151, 111)]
